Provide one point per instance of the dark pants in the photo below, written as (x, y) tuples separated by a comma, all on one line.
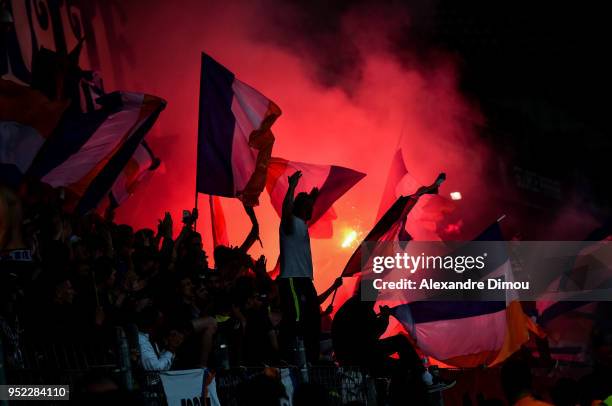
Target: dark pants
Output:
[(301, 317), (407, 385), (408, 358)]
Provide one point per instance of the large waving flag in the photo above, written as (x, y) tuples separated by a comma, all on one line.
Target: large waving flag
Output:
[(469, 333), (234, 137), (331, 180), (89, 151), (27, 119), (431, 210)]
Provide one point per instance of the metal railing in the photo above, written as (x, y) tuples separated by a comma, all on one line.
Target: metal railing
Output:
[(68, 363), (342, 384)]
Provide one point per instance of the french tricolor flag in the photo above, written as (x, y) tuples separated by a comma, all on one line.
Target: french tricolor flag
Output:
[(332, 181), (234, 137), (470, 333), (89, 151)]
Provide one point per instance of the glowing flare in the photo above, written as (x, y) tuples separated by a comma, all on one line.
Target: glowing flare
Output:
[(350, 238), (455, 195)]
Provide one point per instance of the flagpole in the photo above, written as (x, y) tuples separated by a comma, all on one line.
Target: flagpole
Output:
[(212, 220), (195, 221), (333, 297)]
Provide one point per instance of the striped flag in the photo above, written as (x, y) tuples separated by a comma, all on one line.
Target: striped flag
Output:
[(89, 151), (331, 180), (234, 137), (27, 119), (468, 333)]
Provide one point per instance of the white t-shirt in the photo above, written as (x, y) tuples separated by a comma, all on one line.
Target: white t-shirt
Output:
[(295, 256)]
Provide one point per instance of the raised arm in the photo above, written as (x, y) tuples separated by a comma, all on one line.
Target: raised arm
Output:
[(323, 296), (433, 188), (286, 221)]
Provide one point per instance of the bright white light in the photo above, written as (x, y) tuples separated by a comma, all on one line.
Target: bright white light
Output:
[(455, 195), (350, 238)]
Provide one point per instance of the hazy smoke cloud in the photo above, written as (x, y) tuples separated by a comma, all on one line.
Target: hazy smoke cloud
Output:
[(351, 79)]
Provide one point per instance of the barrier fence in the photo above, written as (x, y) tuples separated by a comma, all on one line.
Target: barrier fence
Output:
[(342, 384), (48, 363)]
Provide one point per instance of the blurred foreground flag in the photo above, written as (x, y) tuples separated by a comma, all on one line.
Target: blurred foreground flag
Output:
[(470, 333), (88, 151), (27, 119), (331, 180), (234, 137)]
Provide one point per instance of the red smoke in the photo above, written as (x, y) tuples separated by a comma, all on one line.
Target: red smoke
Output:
[(360, 128)]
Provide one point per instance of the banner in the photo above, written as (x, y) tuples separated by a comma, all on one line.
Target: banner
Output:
[(183, 387), (288, 381)]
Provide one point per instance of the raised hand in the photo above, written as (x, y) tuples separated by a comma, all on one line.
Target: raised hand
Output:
[(295, 178), (385, 311), (260, 265), (314, 192), (164, 226), (433, 188)]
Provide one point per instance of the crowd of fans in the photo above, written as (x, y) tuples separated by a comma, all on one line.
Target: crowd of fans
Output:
[(74, 278), (71, 278)]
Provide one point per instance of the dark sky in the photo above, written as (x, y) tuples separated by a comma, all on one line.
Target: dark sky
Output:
[(537, 70)]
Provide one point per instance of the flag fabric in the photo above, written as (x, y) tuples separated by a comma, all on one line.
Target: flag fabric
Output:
[(389, 228), (331, 180), (140, 166), (19, 144), (217, 220), (427, 215), (88, 151), (397, 172), (234, 137), (27, 119), (570, 322), (469, 333), (324, 227)]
